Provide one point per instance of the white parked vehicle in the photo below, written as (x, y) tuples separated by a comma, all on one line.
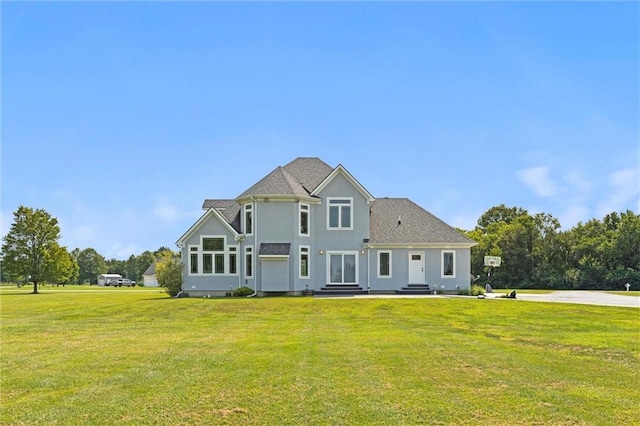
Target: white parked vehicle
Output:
[(123, 282)]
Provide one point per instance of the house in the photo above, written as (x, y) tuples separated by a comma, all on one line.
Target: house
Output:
[(309, 227), (104, 279), (149, 276)]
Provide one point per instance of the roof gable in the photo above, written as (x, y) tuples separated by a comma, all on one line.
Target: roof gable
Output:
[(229, 209), (151, 270), (208, 214), (401, 221), (340, 170), (277, 183), (309, 171)]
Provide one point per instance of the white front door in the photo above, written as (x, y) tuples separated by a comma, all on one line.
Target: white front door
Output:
[(416, 267)]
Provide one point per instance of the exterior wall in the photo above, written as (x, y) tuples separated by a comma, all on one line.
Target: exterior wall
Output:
[(432, 269), (209, 284), (277, 221), (327, 240), (150, 281)]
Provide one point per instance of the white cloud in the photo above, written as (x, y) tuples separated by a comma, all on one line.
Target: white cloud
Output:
[(121, 251), (465, 221), (624, 187), (572, 215), (165, 211), (538, 180)]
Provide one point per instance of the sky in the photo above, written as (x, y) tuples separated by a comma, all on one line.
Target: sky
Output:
[(120, 118)]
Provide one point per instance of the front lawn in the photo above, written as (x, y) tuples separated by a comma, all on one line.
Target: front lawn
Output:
[(127, 357)]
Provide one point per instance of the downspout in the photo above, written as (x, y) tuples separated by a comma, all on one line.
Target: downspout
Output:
[(255, 250), (368, 269)]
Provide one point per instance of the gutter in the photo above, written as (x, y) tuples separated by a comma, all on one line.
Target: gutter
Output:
[(255, 251)]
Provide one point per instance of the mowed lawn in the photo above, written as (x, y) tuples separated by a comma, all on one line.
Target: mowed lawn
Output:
[(138, 357)]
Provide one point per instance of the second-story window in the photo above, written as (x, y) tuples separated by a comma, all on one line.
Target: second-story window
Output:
[(248, 219), (304, 219), (340, 214)]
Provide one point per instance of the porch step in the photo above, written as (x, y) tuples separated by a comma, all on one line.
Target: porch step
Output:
[(340, 290), (415, 289)]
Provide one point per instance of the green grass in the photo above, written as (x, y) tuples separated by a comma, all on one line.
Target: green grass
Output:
[(139, 357)]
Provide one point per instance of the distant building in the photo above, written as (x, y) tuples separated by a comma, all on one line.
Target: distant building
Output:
[(103, 279), (149, 276)]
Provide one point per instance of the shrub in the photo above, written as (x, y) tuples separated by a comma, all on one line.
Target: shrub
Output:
[(169, 273), (242, 292), (476, 290)]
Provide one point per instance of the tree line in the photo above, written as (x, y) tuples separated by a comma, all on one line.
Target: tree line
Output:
[(31, 253), (536, 253)]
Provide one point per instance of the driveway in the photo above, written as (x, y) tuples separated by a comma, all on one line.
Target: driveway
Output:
[(579, 296)]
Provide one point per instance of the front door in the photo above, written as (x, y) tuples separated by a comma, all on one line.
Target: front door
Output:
[(416, 267)]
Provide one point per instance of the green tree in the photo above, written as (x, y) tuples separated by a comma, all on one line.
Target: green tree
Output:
[(90, 264), (143, 261), (31, 249), (169, 272)]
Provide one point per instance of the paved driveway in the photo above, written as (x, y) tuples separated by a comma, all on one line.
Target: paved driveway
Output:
[(584, 297)]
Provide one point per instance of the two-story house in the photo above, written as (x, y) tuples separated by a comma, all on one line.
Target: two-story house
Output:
[(307, 227)]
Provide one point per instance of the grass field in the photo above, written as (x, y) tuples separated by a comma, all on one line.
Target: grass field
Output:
[(136, 357)]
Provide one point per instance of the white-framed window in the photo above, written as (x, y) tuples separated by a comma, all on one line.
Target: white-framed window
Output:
[(303, 220), (342, 267), (248, 262), (233, 260), (448, 263), (340, 213), (384, 264), (212, 257), (248, 219), (304, 262), (194, 255)]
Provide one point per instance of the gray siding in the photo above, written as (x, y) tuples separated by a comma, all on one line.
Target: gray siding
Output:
[(276, 200), (339, 240), (211, 283)]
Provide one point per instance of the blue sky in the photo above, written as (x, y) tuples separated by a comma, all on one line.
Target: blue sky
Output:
[(120, 118)]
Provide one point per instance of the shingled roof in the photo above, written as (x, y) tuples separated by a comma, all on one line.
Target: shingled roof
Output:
[(401, 221), (229, 209), (277, 183), (309, 171)]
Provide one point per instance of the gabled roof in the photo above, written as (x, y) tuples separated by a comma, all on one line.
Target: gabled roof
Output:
[(151, 270), (399, 221), (210, 212), (341, 170), (229, 209), (309, 171), (277, 183)]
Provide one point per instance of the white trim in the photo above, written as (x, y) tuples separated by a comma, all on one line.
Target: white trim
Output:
[(308, 211), (355, 254), (350, 178), (248, 250), (308, 253), (390, 253), (411, 246), (339, 205), (200, 253), (442, 253), (422, 273), (211, 211), (248, 208)]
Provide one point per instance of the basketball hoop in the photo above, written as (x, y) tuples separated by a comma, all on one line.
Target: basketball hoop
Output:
[(492, 261)]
